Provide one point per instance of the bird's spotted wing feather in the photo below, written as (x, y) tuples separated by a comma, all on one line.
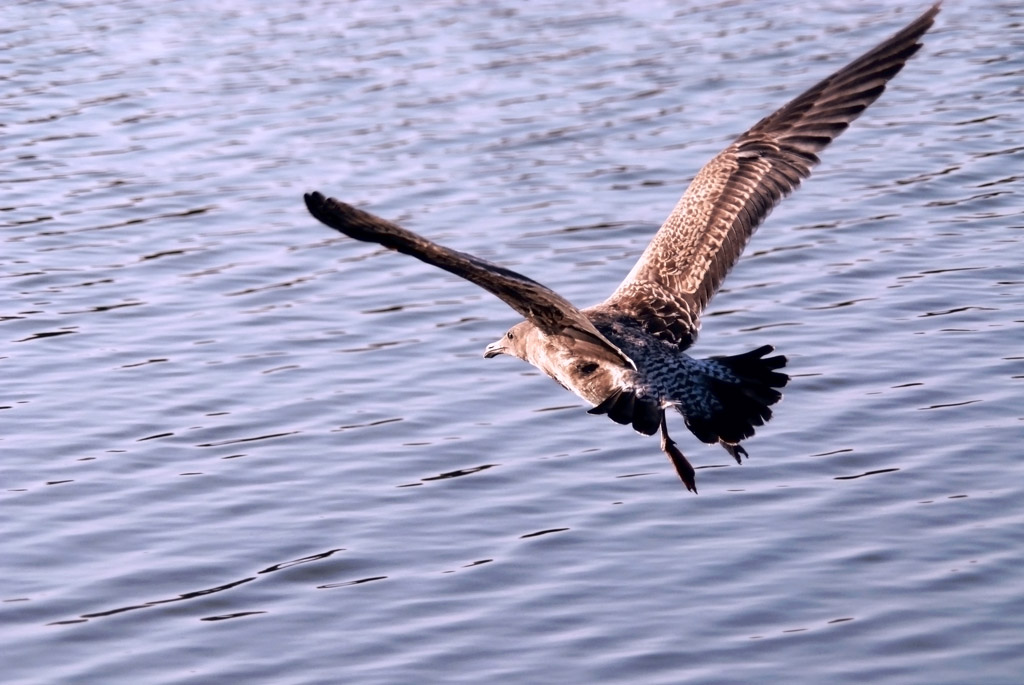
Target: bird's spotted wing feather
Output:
[(703, 237), (549, 311)]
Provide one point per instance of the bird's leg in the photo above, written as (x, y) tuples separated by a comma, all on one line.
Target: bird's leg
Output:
[(683, 467), (736, 451)]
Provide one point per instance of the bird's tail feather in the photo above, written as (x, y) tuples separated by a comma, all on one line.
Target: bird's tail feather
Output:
[(742, 396)]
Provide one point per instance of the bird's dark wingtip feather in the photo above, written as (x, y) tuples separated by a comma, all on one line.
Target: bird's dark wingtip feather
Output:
[(624, 407), (320, 207), (316, 203), (313, 200), (359, 224)]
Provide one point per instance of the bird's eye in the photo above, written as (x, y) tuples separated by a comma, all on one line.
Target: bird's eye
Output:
[(510, 335)]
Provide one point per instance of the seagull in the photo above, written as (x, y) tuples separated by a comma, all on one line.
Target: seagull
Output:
[(626, 356)]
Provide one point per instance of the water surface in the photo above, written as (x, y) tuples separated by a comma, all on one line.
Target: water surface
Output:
[(239, 447)]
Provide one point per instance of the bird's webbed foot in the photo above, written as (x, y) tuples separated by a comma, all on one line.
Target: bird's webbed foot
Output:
[(736, 451), (682, 465)]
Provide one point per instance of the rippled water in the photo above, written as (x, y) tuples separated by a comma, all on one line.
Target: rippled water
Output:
[(237, 447)]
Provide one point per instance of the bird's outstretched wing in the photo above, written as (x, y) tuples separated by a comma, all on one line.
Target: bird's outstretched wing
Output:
[(546, 309), (700, 241)]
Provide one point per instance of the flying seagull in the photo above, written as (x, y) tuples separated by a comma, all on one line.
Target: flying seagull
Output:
[(626, 355)]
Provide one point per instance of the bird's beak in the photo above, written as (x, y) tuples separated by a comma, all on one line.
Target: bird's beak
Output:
[(493, 350)]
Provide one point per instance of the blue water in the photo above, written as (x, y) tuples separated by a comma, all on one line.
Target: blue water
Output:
[(238, 447)]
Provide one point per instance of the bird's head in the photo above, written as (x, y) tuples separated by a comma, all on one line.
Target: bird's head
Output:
[(513, 343)]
